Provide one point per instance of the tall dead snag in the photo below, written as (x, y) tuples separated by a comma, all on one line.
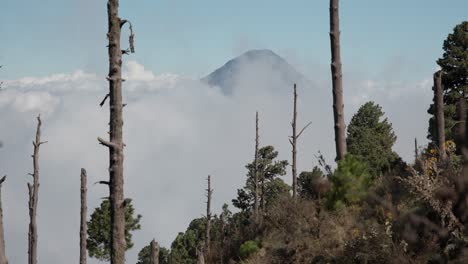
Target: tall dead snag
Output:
[(83, 223), (3, 258), (33, 197), (209, 192), (439, 116), (115, 144), (337, 81), (293, 141), (154, 257), (416, 151), (256, 167)]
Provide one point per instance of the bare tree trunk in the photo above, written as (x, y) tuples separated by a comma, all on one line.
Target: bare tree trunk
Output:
[(293, 141), (439, 116), (116, 145), (200, 257), (416, 150), (256, 167), (83, 224), (33, 197), (209, 193), (3, 258), (154, 257), (337, 81)]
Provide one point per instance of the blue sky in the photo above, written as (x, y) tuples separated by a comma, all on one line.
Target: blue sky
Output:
[(195, 37)]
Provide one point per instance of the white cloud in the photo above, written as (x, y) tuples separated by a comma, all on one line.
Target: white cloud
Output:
[(177, 131)]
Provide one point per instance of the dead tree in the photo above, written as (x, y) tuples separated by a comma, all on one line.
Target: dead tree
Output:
[(293, 141), (83, 223), (115, 143), (439, 116), (256, 167), (209, 193), (416, 150), (33, 197), (3, 258), (337, 81), (154, 257)]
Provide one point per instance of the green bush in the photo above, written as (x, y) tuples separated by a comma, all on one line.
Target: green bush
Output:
[(350, 183), (248, 248)]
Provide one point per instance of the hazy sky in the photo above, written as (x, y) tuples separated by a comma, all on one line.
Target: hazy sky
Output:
[(195, 37), (178, 130)]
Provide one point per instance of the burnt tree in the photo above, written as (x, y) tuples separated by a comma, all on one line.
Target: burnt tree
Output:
[(154, 255), (33, 190), (293, 141), (209, 193), (256, 167), (3, 258), (439, 114), (337, 81), (115, 143), (83, 223)]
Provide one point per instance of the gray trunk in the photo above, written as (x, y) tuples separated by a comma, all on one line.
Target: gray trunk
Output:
[(3, 258), (255, 167), (115, 144), (84, 209), (439, 116), (337, 81), (209, 192), (33, 190), (154, 257)]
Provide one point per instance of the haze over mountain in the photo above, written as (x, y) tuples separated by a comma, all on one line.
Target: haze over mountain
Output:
[(260, 67)]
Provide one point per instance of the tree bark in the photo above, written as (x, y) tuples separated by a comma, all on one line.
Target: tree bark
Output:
[(83, 224), (115, 144), (337, 81), (416, 151), (256, 167), (439, 116), (3, 258), (154, 257), (33, 197), (209, 192), (293, 141)]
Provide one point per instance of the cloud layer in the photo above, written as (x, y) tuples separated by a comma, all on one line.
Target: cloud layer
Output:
[(177, 131)]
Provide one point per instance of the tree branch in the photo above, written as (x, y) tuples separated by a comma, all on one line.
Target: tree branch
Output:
[(298, 135), (106, 143)]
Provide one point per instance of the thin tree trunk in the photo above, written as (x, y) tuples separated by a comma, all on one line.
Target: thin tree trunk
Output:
[(293, 141), (209, 193), (200, 257), (83, 224), (256, 167), (33, 197), (337, 81), (416, 150), (439, 116), (154, 257), (116, 145), (3, 258)]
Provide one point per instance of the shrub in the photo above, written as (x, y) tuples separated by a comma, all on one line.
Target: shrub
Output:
[(248, 249)]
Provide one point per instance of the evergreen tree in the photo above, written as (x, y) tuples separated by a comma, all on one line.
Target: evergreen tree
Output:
[(349, 183), (371, 138), (454, 66), (99, 229), (145, 254), (270, 186)]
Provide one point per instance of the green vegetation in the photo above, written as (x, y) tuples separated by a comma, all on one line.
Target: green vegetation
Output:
[(371, 137), (99, 229)]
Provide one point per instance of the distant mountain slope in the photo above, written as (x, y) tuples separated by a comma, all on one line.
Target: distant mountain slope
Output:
[(255, 68)]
